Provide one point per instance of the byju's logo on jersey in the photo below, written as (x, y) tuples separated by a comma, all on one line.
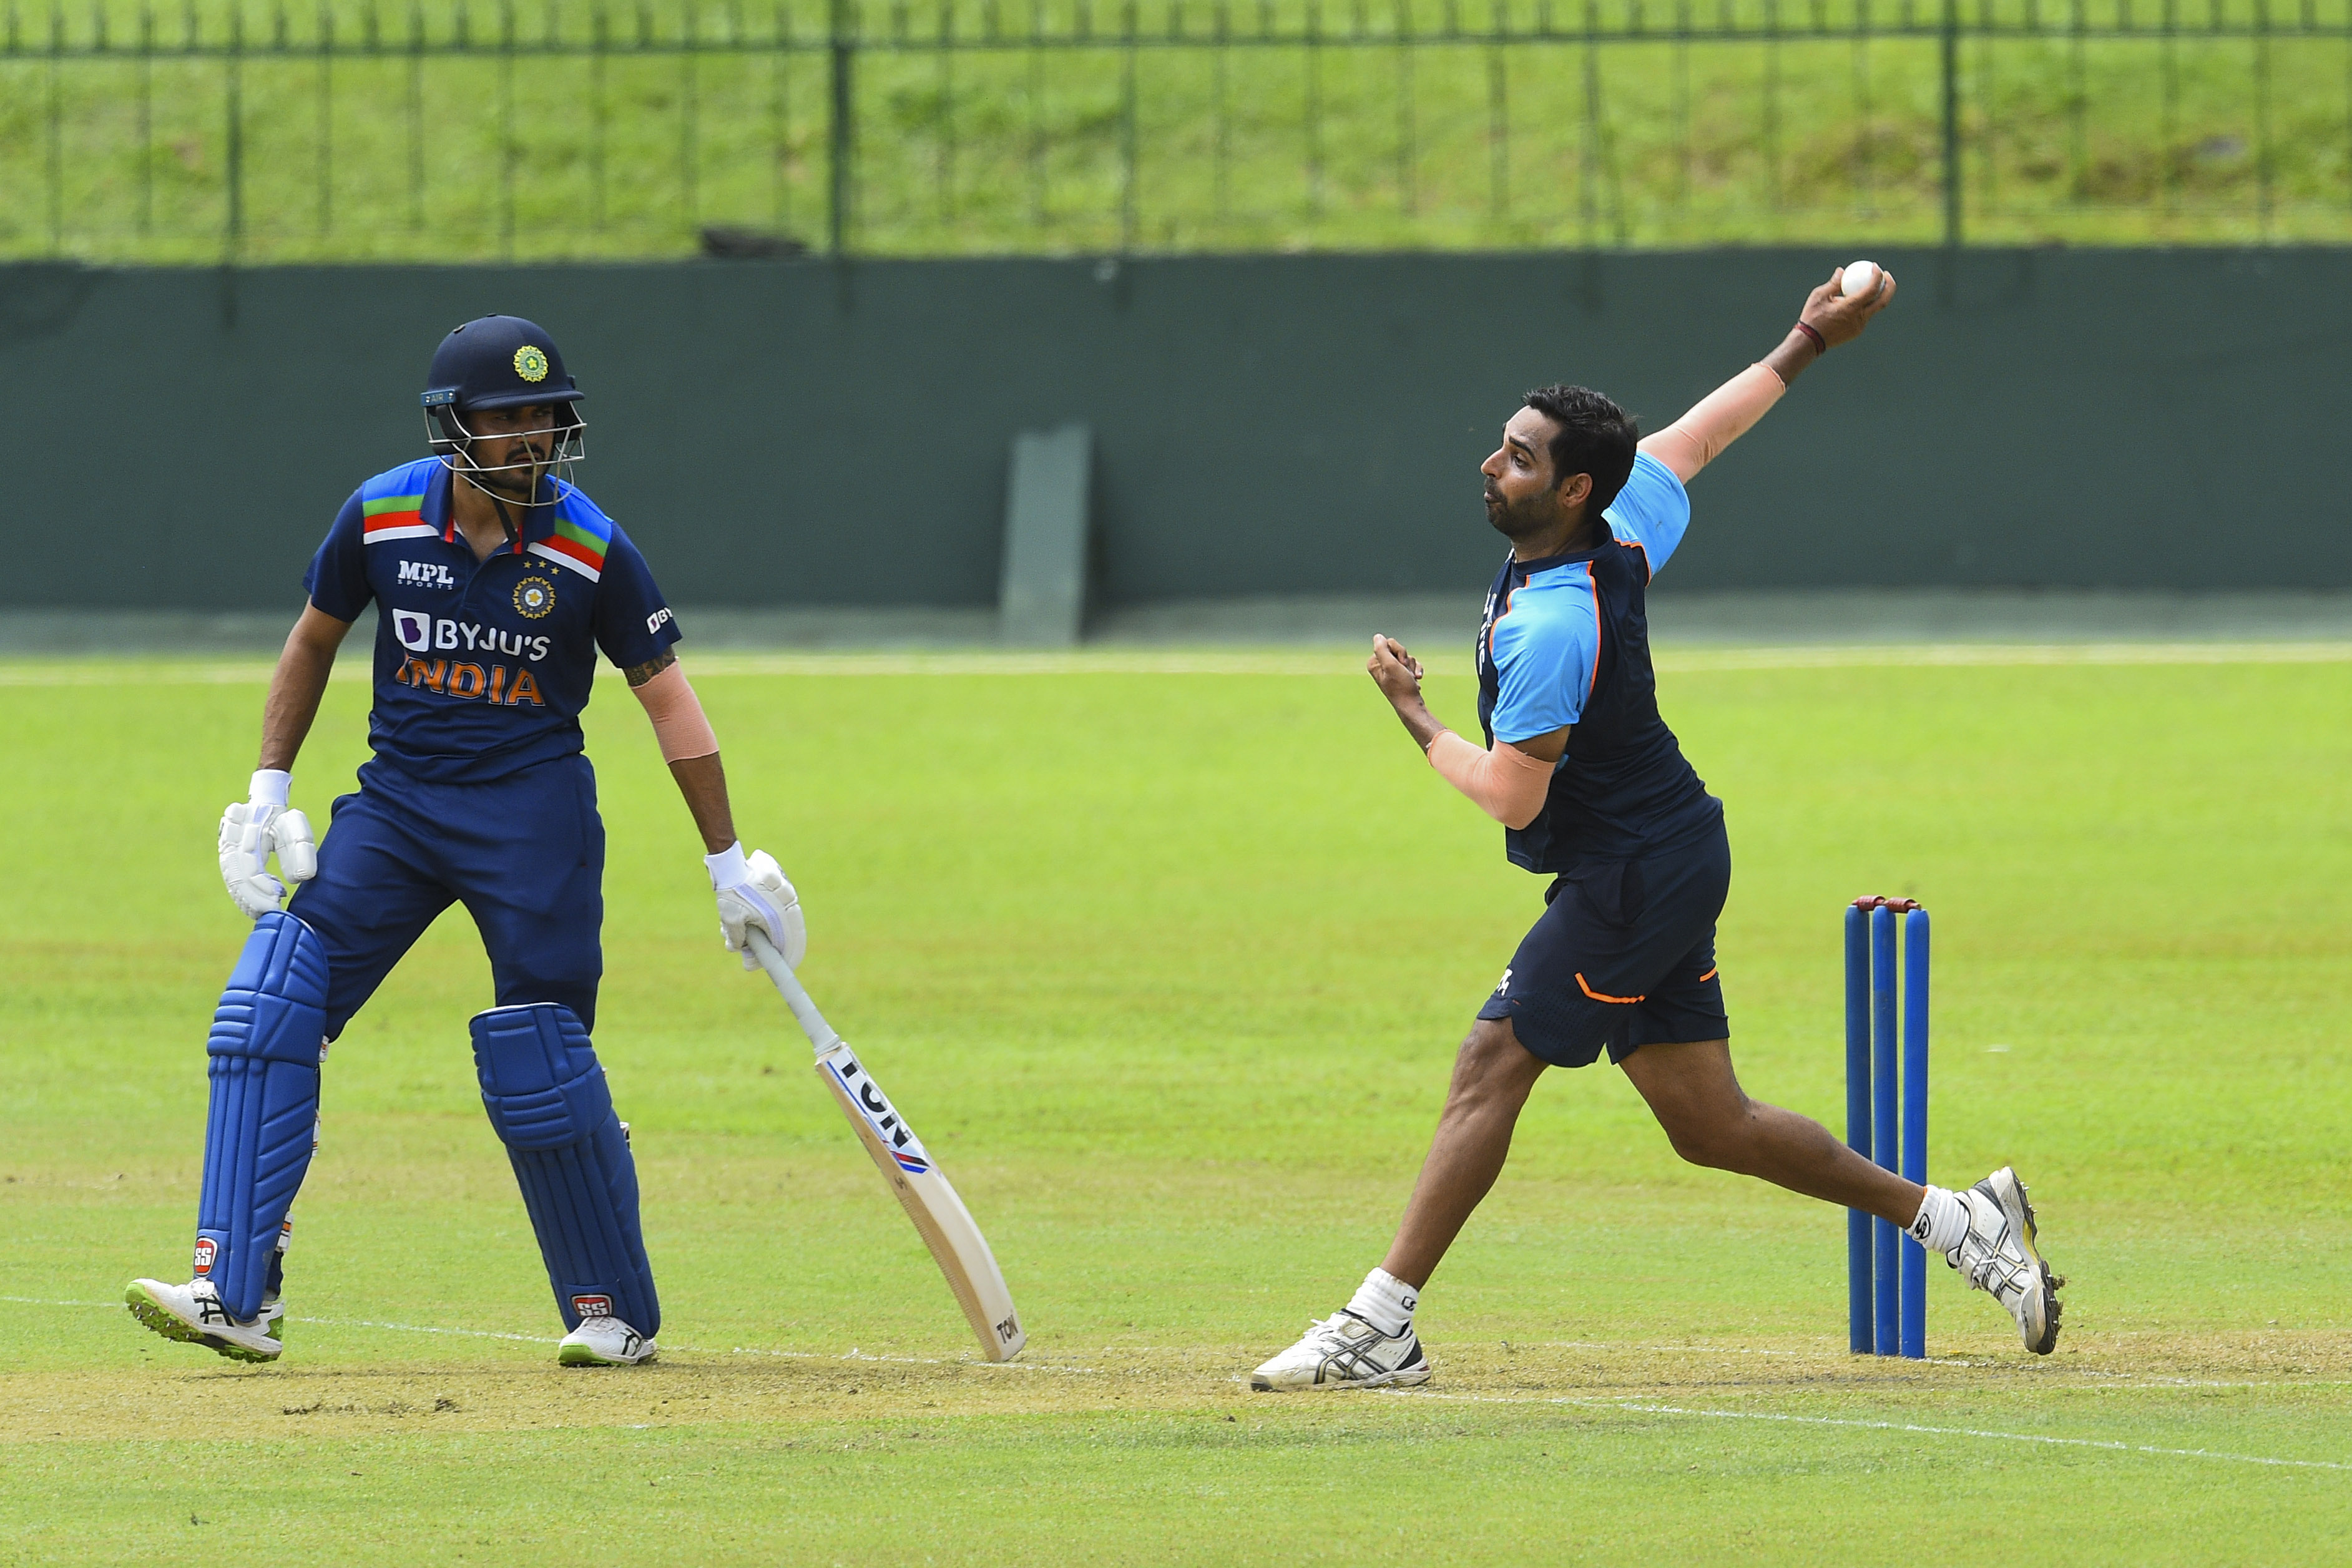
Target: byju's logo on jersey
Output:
[(426, 574), (421, 633)]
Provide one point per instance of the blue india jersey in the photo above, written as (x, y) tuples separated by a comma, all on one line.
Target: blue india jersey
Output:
[(1565, 642), (482, 666)]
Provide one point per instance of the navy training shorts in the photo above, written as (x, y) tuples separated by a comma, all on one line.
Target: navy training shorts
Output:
[(1623, 956), (525, 854)]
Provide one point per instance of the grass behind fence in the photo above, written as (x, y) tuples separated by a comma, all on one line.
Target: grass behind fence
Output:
[(271, 136)]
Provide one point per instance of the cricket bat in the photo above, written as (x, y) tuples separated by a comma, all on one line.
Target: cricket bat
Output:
[(940, 1216)]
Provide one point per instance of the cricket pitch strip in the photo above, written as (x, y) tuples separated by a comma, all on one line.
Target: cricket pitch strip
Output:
[(185, 1393)]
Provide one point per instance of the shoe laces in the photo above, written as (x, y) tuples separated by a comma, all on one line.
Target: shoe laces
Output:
[(1332, 1327)]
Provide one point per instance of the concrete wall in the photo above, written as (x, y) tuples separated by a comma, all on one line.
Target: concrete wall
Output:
[(801, 434)]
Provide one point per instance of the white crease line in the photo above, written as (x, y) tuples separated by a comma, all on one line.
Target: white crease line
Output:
[(853, 1354), (421, 1328), (1873, 1426), (45, 1302), (323, 1323), (1619, 1345), (2122, 1381)]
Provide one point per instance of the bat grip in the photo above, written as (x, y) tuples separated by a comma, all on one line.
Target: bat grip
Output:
[(788, 985)]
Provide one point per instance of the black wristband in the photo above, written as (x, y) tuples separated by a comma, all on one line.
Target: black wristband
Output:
[(1821, 343)]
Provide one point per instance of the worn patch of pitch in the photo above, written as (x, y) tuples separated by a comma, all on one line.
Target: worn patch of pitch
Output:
[(186, 1392)]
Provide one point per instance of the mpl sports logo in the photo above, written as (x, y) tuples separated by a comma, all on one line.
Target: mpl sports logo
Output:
[(593, 1306), (426, 574), (206, 1251)]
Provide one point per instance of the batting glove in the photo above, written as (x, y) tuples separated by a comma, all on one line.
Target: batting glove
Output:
[(752, 893), (251, 831)]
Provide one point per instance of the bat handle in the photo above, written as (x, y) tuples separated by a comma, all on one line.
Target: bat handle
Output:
[(788, 985)]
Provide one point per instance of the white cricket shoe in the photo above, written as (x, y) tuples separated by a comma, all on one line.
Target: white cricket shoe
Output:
[(1345, 1352), (1999, 1258), (192, 1314), (603, 1342)]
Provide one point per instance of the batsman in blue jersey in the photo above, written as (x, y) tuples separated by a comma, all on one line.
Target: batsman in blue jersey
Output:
[(1594, 792), (498, 584)]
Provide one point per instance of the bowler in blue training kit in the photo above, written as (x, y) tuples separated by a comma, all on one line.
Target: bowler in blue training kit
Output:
[(1593, 792), (498, 584), (1625, 952)]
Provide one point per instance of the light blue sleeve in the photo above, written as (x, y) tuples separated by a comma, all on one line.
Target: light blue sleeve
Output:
[(1546, 645), (1652, 510)]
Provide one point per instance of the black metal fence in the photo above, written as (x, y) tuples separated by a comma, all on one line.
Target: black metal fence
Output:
[(444, 131)]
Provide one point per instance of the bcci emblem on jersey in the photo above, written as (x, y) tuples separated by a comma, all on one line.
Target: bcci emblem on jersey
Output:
[(534, 597)]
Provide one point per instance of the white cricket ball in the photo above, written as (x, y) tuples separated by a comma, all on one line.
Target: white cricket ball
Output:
[(1859, 279)]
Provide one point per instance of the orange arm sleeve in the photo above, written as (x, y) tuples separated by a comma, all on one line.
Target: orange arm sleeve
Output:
[(1716, 421), (1506, 783), (677, 712)]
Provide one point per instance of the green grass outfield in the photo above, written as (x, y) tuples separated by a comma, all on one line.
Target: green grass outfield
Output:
[(1167, 957), (2068, 133)]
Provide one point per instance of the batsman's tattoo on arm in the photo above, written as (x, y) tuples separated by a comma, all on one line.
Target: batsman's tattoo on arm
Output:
[(638, 674)]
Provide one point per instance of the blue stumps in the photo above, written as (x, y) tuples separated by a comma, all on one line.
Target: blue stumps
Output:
[(1885, 1145), (1886, 1116), (1914, 1123), (1857, 1121)]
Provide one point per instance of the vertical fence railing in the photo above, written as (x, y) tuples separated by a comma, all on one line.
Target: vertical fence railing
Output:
[(840, 141), (419, 128)]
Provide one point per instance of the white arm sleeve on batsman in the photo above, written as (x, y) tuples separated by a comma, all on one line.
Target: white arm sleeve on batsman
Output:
[(753, 891), (251, 831)]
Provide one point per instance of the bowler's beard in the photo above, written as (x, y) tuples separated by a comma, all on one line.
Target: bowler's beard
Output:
[(1521, 519)]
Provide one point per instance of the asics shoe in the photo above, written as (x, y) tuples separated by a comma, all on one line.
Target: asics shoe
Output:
[(1345, 1352), (603, 1342), (1999, 1258), (192, 1314)]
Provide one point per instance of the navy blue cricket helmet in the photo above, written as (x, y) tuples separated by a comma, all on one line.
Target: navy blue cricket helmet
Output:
[(495, 362)]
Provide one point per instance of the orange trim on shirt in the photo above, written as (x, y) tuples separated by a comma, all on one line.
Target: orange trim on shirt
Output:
[(1498, 621), (1602, 997), (1593, 685), (1649, 573), (1704, 978)]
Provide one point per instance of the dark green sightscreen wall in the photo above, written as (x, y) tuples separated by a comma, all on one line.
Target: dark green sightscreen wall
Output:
[(808, 434)]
